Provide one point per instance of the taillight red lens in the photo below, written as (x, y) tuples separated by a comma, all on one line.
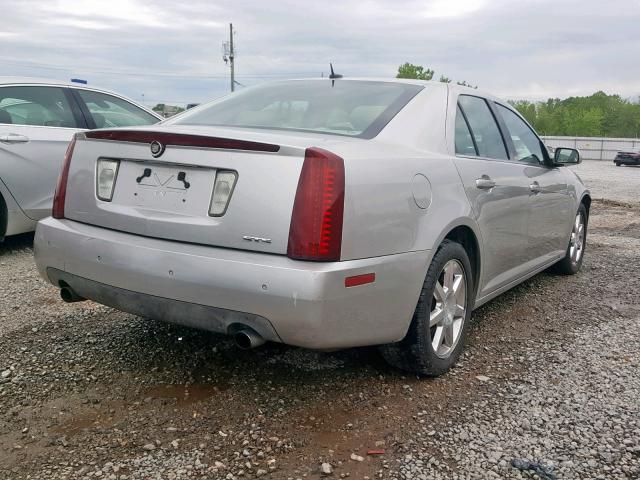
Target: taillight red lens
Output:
[(316, 222), (61, 188)]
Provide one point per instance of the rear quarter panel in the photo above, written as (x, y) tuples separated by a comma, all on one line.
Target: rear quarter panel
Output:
[(382, 216)]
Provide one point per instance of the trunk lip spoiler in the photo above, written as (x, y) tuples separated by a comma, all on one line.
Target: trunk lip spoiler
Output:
[(181, 140)]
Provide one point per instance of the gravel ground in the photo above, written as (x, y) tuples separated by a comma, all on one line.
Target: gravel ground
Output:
[(550, 379), (605, 180)]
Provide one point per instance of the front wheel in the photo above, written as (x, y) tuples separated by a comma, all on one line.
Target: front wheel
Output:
[(572, 261), (441, 319), (617, 164)]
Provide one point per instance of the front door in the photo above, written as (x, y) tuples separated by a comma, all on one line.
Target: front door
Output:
[(551, 214)]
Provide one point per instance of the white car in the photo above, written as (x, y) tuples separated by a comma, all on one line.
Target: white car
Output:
[(38, 118)]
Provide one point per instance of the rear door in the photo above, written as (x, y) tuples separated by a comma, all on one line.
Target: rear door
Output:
[(36, 125), (498, 190), (551, 211)]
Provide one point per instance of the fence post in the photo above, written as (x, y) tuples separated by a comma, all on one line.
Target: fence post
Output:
[(601, 148)]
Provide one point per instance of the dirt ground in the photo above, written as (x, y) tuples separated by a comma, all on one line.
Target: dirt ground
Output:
[(89, 392)]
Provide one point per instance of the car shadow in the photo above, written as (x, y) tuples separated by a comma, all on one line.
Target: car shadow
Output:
[(16, 242)]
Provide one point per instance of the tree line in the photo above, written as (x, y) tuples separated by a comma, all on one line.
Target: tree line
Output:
[(598, 115)]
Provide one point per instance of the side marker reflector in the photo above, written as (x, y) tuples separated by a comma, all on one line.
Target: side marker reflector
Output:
[(359, 280)]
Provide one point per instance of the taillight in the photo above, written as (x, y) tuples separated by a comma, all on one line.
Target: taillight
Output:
[(316, 222), (61, 188), (106, 174), (222, 190)]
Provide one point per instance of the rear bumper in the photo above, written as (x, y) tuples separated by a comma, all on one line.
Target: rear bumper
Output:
[(298, 303)]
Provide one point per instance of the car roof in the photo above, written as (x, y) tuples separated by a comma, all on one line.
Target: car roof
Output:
[(6, 80), (9, 80)]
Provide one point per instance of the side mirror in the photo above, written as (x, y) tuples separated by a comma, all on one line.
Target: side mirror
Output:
[(566, 156)]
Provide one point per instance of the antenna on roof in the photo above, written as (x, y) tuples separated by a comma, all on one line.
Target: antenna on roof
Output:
[(333, 74)]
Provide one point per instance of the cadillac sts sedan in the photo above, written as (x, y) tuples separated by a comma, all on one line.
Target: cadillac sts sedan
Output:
[(318, 213)]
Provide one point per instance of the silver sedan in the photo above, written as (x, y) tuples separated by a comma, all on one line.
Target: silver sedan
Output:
[(318, 213), (38, 118)]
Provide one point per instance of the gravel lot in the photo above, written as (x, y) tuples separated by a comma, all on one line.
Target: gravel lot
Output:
[(550, 380)]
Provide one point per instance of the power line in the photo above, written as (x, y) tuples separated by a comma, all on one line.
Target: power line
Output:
[(146, 74)]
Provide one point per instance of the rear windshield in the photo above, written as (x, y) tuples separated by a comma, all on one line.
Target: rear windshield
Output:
[(344, 107)]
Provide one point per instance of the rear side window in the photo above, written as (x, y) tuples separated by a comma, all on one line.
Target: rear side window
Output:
[(342, 107), (108, 111), (463, 139), (526, 143), (36, 106), (484, 128)]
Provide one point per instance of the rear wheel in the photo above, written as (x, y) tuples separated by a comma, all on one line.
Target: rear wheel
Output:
[(617, 164), (440, 322), (571, 263)]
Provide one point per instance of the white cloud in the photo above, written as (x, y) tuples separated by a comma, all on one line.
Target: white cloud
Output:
[(170, 51), (452, 8)]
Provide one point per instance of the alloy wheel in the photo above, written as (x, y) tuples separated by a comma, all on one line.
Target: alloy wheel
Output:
[(576, 246), (448, 309)]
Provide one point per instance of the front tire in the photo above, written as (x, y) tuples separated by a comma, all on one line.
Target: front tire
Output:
[(572, 262), (440, 322)]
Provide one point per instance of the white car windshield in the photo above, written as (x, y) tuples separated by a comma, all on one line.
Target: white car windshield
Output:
[(341, 107)]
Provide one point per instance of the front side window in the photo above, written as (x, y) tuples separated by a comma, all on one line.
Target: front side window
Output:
[(341, 107), (36, 106), (527, 145), (484, 128), (108, 111)]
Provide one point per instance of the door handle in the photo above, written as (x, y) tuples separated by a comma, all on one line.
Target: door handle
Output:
[(485, 183), (13, 138), (535, 187)]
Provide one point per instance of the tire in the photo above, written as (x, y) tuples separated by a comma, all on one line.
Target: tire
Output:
[(617, 164), (4, 218), (416, 353), (572, 262)]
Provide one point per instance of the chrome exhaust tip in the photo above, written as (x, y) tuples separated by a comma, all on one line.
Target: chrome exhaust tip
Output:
[(69, 295), (247, 339)]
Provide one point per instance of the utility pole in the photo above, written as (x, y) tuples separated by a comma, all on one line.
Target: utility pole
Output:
[(231, 55)]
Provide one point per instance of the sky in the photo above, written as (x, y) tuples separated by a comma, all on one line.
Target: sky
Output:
[(166, 51)]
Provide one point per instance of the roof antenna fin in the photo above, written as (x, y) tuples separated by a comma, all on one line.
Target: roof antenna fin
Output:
[(333, 74)]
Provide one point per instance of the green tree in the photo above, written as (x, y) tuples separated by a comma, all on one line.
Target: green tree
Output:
[(418, 72), (465, 84), (409, 70), (596, 115)]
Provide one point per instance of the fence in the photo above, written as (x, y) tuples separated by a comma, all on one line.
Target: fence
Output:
[(595, 148)]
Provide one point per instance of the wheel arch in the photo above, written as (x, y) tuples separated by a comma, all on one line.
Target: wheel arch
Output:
[(466, 237), (466, 233)]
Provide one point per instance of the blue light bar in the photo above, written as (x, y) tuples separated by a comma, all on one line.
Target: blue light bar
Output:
[(79, 80)]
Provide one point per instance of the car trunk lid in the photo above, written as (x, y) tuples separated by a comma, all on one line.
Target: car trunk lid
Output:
[(167, 193)]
